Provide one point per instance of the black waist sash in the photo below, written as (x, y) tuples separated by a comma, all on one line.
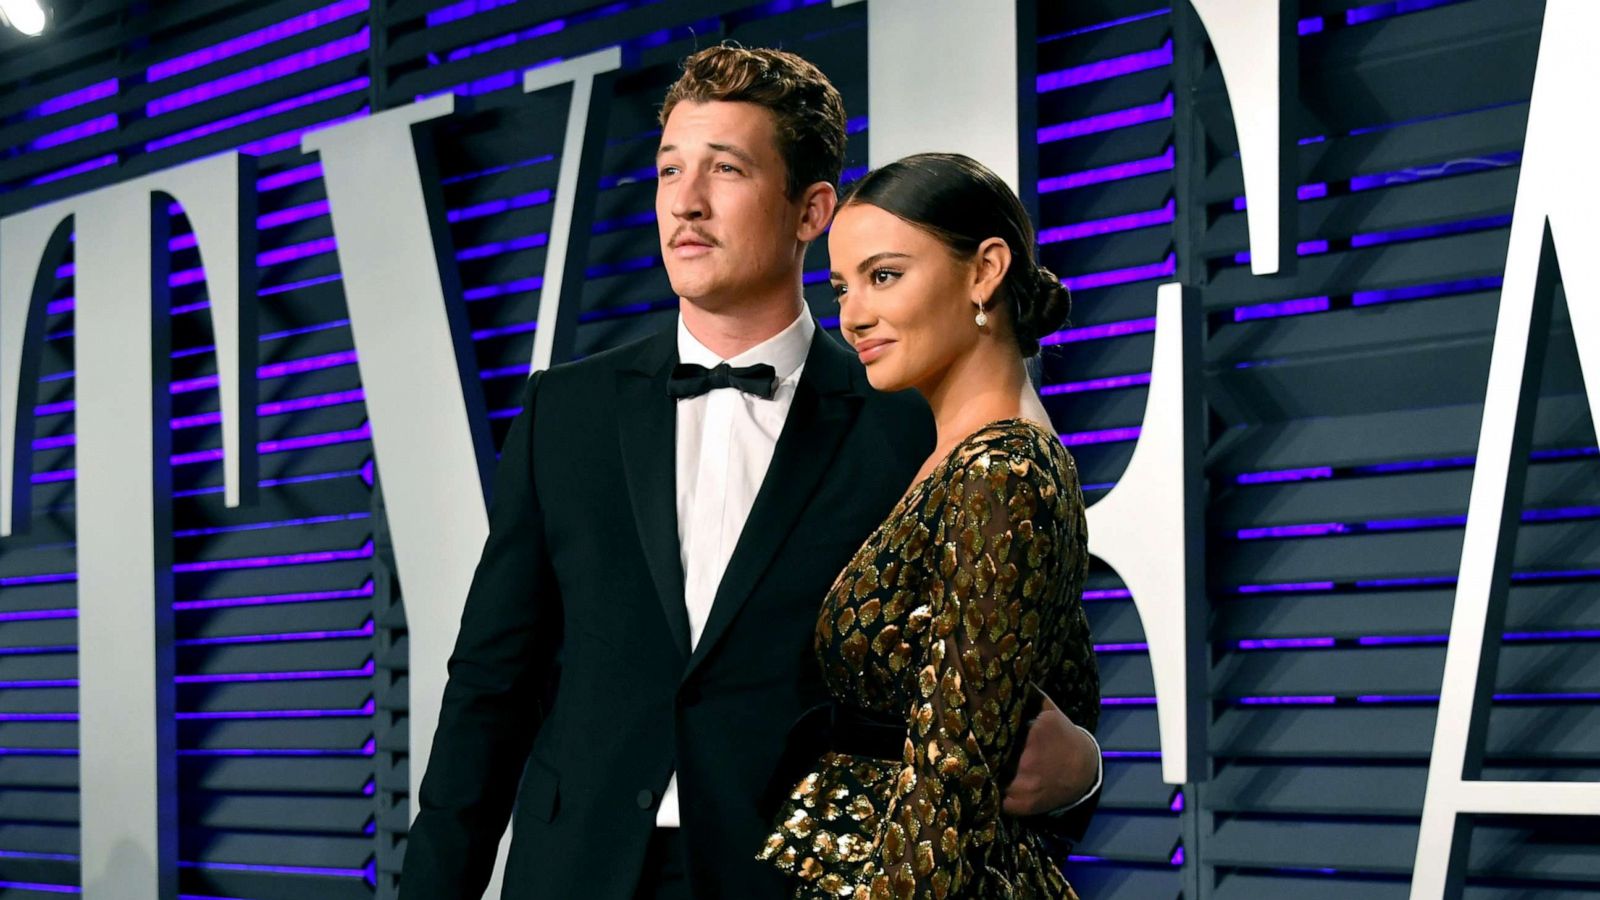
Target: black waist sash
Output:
[(837, 727)]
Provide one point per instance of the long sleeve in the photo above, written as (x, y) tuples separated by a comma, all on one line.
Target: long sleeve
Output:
[(1074, 685), (504, 655), (997, 557)]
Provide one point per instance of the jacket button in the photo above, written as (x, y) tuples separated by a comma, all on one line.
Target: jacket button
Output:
[(646, 799)]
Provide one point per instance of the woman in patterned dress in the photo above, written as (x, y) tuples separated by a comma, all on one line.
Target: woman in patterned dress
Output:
[(968, 595)]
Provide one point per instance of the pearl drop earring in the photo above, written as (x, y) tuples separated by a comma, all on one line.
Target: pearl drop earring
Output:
[(982, 318)]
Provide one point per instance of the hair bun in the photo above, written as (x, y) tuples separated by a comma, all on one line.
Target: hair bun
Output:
[(1043, 313)]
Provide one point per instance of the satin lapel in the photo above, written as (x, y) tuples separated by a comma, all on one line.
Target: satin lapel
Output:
[(825, 406), (648, 423)]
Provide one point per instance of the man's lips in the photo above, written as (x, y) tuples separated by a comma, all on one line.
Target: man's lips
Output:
[(691, 246)]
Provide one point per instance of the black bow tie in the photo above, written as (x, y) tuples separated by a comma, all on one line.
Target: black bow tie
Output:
[(690, 380)]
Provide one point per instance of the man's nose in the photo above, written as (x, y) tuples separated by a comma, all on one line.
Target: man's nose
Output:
[(690, 200)]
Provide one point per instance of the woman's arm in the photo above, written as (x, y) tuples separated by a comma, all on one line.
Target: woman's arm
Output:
[(996, 557)]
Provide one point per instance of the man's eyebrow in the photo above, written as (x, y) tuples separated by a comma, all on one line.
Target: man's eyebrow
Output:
[(729, 148), (664, 149)]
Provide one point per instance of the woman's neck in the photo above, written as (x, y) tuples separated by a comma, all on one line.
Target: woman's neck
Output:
[(987, 384)]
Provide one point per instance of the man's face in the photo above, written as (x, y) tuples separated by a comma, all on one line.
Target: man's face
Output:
[(728, 228)]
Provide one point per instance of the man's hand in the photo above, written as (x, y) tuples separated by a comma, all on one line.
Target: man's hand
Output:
[(1059, 766)]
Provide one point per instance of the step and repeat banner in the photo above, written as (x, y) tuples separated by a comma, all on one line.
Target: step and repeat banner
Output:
[(271, 276)]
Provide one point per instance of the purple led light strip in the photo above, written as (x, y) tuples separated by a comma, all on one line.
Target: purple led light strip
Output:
[(257, 75), (1105, 69), (1123, 276), (84, 95), (244, 43), (290, 140), (1101, 26), (251, 562), (328, 93), (40, 886), (99, 162), (365, 590), (349, 436), (325, 871), (1316, 700), (364, 671), (1100, 332), (1124, 118), (274, 482), (1111, 382), (1113, 225), (1102, 436), (369, 709), (1422, 465), (1285, 643), (366, 630), (97, 125), (366, 710), (1361, 14), (1117, 172), (1561, 514), (265, 562)]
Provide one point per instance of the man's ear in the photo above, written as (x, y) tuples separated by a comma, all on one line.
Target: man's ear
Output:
[(816, 211)]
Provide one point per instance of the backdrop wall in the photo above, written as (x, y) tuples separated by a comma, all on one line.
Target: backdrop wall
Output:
[(1344, 402)]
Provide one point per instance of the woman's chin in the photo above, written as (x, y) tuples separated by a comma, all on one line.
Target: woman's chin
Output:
[(884, 381)]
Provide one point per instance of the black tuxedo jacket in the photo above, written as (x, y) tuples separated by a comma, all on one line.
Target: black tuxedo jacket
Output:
[(572, 690)]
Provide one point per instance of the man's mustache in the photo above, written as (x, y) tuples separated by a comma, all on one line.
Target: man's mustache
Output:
[(699, 235)]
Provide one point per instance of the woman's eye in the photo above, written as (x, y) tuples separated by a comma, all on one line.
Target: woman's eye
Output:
[(882, 277), (839, 291)]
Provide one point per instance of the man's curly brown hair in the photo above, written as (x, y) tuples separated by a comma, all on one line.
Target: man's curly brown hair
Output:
[(805, 106)]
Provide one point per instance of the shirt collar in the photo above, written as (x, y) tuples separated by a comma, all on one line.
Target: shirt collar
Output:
[(785, 351)]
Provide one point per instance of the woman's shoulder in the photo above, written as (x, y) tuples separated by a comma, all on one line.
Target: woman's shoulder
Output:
[(1008, 453), (1018, 445)]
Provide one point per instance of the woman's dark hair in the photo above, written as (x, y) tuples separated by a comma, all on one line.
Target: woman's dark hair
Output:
[(958, 200)]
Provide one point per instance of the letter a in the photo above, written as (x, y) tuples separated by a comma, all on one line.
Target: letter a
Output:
[(1555, 210)]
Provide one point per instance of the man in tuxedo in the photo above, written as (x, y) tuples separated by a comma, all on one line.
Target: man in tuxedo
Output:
[(667, 517)]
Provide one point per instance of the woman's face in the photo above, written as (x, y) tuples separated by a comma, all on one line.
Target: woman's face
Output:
[(905, 300)]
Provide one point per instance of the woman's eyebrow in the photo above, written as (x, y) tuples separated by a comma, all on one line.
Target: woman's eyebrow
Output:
[(875, 258)]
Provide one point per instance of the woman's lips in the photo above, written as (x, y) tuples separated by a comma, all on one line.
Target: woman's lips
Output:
[(872, 349)]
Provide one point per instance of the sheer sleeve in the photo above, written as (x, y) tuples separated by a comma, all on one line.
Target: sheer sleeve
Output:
[(1000, 545)]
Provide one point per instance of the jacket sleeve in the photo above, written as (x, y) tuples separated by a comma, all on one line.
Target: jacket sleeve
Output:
[(505, 654)]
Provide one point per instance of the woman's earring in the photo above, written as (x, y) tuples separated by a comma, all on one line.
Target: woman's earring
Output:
[(982, 318)]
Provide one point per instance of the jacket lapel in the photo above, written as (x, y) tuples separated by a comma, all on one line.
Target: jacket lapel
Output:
[(826, 402), (648, 433)]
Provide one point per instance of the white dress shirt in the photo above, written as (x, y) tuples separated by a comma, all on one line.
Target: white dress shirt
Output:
[(724, 446)]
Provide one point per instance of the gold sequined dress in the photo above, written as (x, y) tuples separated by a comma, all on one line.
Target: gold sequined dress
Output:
[(969, 590)]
